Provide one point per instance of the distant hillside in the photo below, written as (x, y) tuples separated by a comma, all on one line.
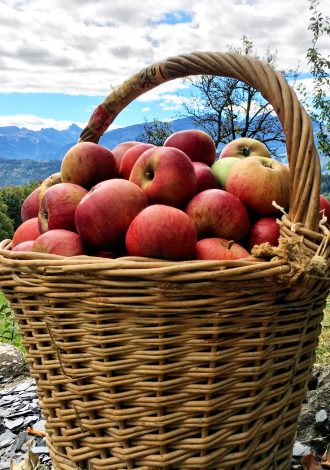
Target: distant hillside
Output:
[(18, 172)]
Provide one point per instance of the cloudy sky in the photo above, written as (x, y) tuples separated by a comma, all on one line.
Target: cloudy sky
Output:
[(60, 58)]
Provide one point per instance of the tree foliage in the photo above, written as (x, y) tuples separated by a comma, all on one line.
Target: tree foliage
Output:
[(6, 224), (227, 108), (155, 132), (325, 185), (13, 198), (17, 172), (319, 108)]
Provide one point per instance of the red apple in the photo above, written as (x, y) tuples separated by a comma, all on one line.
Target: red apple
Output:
[(166, 175), (101, 253), (130, 157), (119, 150), (30, 206), (87, 164), (24, 246), (198, 145), (219, 249), (59, 242), (325, 208), (217, 213), (245, 147), (48, 182), (162, 231), (58, 207), (257, 182), (206, 179), (27, 231), (222, 167), (104, 214), (265, 229)]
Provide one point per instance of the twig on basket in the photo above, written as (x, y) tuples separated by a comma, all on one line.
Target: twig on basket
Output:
[(35, 432)]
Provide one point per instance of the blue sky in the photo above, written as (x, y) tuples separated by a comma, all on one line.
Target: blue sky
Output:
[(63, 108), (60, 59)]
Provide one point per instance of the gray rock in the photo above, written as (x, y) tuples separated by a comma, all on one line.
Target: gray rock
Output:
[(13, 423), (6, 438), (300, 449), (313, 423), (321, 416), (19, 441), (12, 362)]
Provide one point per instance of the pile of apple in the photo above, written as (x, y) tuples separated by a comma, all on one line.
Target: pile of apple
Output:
[(174, 202)]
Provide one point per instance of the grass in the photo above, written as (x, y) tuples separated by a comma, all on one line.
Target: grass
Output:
[(8, 326), (323, 349), (9, 332)]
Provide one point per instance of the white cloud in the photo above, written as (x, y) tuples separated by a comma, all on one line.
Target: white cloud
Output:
[(36, 123), (87, 47), (145, 110)]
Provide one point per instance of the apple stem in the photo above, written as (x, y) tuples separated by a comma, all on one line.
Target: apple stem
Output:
[(149, 173), (245, 151)]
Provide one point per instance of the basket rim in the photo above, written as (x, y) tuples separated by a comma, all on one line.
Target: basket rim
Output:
[(287, 264)]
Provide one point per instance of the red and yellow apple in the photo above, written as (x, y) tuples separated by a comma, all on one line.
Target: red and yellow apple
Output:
[(119, 150), (166, 175), (26, 231), (130, 157), (59, 242), (48, 182), (58, 207), (198, 145), (30, 206), (105, 213), (87, 164), (222, 167), (257, 182), (206, 179), (263, 230), (162, 231), (219, 249), (24, 246), (325, 208), (217, 213), (245, 147)]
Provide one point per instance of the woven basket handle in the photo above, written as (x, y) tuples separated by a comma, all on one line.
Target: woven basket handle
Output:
[(302, 154)]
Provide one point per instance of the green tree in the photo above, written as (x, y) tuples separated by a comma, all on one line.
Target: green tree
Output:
[(325, 184), (227, 108), (319, 63), (6, 224), (155, 132), (13, 197)]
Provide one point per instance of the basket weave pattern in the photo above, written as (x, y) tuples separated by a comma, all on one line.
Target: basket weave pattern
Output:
[(150, 364)]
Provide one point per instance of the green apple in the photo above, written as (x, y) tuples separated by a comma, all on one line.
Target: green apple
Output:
[(222, 167)]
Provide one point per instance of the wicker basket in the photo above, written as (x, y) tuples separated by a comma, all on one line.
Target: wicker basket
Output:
[(150, 364)]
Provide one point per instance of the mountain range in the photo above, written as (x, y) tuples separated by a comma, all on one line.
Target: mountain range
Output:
[(52, 144), (27, 155)]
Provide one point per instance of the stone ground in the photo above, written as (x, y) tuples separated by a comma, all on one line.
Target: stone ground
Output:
[(22, 424)]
